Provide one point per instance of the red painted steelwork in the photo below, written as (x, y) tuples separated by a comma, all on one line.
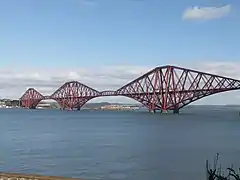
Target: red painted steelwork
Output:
[(108, 93), (163, 88), (74, 95), (171, 88), (31, 98)]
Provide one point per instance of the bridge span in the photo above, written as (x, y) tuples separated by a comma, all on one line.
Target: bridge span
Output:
[(163, 88)]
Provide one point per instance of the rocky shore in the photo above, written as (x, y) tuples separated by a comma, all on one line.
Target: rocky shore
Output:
[(16, 176)]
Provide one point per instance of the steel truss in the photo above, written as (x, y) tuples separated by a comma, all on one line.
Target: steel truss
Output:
[(31, 98), (163, 88)]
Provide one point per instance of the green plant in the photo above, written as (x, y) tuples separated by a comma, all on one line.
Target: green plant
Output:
[(217, 173)]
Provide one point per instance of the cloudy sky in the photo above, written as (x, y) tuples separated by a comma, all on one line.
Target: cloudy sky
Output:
[(105, 43)]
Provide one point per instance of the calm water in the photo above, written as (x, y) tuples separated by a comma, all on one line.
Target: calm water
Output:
[(118, 145)]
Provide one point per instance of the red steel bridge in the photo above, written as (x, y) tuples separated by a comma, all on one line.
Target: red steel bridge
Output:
[(163, 88)]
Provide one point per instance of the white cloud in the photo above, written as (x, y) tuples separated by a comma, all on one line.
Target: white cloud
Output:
[(206, 13), (14, 83)]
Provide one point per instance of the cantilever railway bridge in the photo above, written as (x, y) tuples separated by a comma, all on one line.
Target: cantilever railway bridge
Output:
[(163, 88)]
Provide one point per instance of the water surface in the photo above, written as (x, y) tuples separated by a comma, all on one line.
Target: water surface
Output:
[(118, 145)]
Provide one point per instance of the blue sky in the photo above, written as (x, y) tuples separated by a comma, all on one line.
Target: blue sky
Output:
[(42, 41), (70, 33)]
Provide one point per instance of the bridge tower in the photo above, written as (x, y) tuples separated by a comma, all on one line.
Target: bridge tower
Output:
[(31, 98), (170, 88), (165, 88)]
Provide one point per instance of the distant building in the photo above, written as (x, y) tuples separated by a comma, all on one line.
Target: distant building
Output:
[(43, 106), (118, 107)]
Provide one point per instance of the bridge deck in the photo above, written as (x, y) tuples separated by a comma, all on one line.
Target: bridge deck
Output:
[(166, 87)]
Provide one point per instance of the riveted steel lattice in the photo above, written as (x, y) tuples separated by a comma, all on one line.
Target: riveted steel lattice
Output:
[(163, 88), (171, 87), (74, 95), (108, 93), (31, 98)]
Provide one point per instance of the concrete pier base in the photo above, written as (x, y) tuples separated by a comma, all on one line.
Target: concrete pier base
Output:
[(176, 111), (152, 111), (164, 111)]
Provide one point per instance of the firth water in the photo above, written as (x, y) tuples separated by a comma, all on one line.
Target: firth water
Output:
[(119, 145)]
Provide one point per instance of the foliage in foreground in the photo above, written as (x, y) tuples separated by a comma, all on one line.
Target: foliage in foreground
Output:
[(216, 173)]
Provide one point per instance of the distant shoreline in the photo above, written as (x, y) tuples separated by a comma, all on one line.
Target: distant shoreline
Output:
[(7, 176)]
